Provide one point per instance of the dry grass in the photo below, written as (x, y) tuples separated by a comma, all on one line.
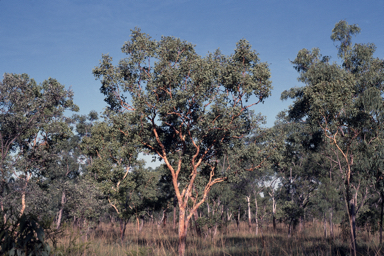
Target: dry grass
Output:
[(154, 240)]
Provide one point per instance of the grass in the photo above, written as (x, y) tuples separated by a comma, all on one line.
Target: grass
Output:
[(154, 240)]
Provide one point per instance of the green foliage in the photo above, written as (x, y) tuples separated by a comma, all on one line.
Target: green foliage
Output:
[(206, 224), (344, 103), (184, 107), (130, 188), (32, 123), (292, 212), (25, 236)]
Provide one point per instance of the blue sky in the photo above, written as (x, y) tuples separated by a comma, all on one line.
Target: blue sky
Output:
[(64, 39)]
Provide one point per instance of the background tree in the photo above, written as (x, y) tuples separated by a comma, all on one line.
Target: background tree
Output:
[(344, 102), (128, 186), (30, 116)]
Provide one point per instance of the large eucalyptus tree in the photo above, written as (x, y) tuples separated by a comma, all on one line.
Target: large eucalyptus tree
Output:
[(185, 109)]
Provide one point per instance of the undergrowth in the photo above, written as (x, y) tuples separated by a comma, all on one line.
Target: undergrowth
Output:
[(155, 240)]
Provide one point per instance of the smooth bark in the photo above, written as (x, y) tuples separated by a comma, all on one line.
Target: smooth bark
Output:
[(249, 213), (60, 214)]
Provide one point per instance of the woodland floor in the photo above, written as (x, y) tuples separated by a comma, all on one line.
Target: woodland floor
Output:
[(154, 240)]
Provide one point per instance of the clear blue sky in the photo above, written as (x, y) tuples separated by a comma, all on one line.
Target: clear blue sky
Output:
[(64, 39)]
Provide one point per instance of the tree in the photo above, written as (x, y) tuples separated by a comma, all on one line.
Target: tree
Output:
[(344, 103), (184, 109), (129, 187), (30, 114)]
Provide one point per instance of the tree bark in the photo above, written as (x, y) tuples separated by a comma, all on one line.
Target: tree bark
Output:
[(174, 212), (238, 219), (274, 213), (2, 209), (22, 202), (123, 225), (290, 228), (256, 217), (331, 223), (381, 217), (325, 225), (350, 204), (249, 213), (141, 224), (301, 224), (198, 231), (165, 218), (58, 223), (183, 228)]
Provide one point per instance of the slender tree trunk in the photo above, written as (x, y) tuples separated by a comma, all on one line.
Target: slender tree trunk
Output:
[(331, 223), (165, 218), (274, 213), (61, 210), (350, 204), (290, 228), (198, 231), (325, 225), (256, 217), (238, 219), (381, 217), (249, 213), (22, 202), (141, 223), (301, 225), (2, 209), (123, 225), (331, 213), (23, 195), (229, 216)]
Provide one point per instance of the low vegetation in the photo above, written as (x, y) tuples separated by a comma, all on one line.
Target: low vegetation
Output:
[(155, 240)]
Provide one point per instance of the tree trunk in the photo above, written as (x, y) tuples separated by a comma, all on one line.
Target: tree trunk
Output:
[(290, 228), (2, 209), (22, 202), (198, 231), (238, 220), (249, 213), (183, 227), (331, 223), (165, 218), (256, 217), (141, 223), (123, 225), (274, 213), (351, 208), (58, 224), (174, 212), (229, 216), (325, 225), (381, 217), (301, 224)]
